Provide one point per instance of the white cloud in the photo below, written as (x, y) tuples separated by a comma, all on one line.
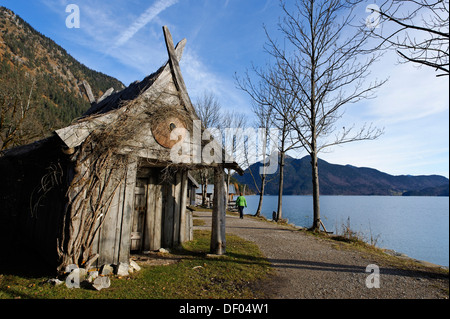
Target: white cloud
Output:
[(410, 94), (413, 108), (200, 78), (144, 19)]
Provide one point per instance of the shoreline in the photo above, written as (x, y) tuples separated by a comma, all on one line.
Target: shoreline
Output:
[(368, 223), (311, 266), (425, 263), (388, 251)]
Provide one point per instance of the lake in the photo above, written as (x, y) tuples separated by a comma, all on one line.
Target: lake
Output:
[(415, 226)]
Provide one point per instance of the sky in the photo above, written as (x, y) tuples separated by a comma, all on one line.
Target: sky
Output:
[(124, 39)]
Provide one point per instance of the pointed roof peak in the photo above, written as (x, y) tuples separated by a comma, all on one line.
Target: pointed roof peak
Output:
[(135, 89)]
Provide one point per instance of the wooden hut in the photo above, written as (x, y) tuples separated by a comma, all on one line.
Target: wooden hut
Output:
[(193, 185), (210, 194), (107, 184)]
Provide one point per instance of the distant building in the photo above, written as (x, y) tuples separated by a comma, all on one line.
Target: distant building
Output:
[(210, 193), (107, 185)]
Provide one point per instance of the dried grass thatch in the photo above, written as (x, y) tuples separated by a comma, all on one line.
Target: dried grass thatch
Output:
[(101, 167)]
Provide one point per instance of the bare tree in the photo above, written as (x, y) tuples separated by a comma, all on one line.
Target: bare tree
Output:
[(417, 30), (233, 122), (210, 113), (322, 71), (273, 106), (287, 143), (18, 124), (263, 116), (208, 110)]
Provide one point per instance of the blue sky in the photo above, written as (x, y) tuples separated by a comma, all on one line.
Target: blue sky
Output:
[(124, 39)]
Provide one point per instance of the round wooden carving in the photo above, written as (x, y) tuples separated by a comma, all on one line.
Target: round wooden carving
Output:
[(164, 127)]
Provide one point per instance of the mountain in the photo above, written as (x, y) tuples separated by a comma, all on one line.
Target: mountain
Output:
[(39, 78), (345, 180)]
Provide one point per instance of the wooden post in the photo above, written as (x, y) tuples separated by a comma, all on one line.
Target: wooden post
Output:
[(158, 217), (183, 228), (127, 210), (150, 218), (167, 241), (177, 209), (218, 243)]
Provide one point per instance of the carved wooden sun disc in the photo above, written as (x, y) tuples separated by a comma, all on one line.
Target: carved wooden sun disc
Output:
[(164, 127)]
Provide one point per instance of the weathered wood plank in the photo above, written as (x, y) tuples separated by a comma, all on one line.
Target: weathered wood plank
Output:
[(183, 201), (149, 231), (189, 225), (176, 209), (88, 90), (105, 95), (107, 233), (156, 244), (75, 134), (128, 208), (117, 224), (139, 212), (218, 242), (179, 82), (168, 216)]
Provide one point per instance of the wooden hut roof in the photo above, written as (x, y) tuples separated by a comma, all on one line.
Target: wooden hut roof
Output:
[(108, 107), (117, 99), (111, 101)]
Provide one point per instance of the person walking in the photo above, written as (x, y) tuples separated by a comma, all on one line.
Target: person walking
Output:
[(241, 202)]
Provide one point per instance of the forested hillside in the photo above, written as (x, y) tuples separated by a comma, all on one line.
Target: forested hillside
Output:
[(40, 83), (345, 180)]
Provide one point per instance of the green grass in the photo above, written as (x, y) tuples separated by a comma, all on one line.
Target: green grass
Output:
[(228, 276)]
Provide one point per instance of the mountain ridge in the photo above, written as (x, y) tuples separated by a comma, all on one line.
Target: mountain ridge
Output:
[(37, 72), (336, 179)]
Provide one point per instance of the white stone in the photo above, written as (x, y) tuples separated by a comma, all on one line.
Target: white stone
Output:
[(101, 283), (55, 281), (92, 275), (107, 269), (134, 265), (122, 269)]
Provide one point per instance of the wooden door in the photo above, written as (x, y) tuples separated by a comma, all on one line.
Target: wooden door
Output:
[(140, 210)]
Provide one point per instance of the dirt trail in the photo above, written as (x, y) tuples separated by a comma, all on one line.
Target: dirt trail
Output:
[(310, 267)]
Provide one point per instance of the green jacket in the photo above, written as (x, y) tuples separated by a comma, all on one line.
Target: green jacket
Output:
[(241, 201)]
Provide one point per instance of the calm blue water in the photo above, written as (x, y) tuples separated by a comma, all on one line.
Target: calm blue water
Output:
[(415, 226)]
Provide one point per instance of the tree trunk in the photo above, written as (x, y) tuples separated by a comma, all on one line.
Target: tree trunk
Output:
[(204, 181), (261, 195), (218, 243), (313, 101), (227, 188), (315, 183), (280, 186)]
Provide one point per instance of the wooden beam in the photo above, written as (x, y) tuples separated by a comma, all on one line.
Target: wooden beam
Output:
[(218, 242), (88, 90), (149, 231), (167, 241), (127, 210), (176, 209), (176, 71), (179, 49), (105, 95), (183, 226), (75, 134)]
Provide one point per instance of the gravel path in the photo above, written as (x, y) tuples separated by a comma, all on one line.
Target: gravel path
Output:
[(313, 268)]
